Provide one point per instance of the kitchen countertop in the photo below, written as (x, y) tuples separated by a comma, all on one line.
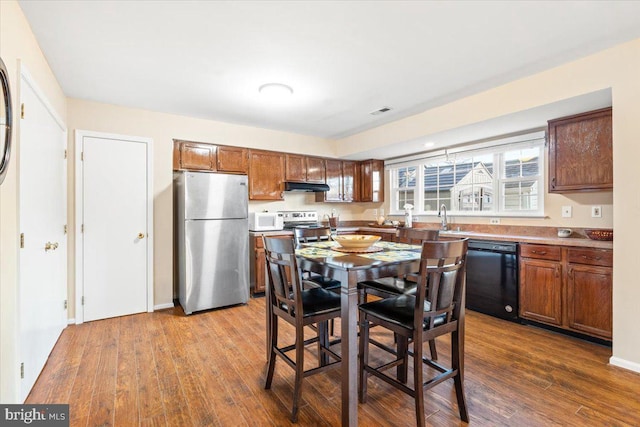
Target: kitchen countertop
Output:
[(577, 241)]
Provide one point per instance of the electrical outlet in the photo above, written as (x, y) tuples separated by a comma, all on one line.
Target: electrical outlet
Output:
[(566, 212), (596, 211), (494, 221)]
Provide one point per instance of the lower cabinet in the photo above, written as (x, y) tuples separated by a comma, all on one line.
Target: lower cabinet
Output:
[(257, 265), (567, 287), (541, 291)]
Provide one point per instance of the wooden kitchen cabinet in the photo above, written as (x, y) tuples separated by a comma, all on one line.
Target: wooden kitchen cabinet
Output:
[(196, 156), (589, 291), (266, 175), (581, 152), (295, 168), (567, 287), (316, 170), (372, 181), (343, 179), (232, 159), (258, 275), (541, 291)]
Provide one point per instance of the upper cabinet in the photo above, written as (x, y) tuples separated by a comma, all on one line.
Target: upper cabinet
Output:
[(349, 181), (316, 170), (372, 181), (343, 178), (581, 152), (197, 156), (266, 175), (304, 169), (233, 159)]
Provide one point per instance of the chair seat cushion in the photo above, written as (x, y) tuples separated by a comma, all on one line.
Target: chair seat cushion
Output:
[(397, 310), (318, 301), (391, 285), (324, 282)]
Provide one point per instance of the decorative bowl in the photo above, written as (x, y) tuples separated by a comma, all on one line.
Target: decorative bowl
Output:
[(564, 232), (599, 234), (356, 241)]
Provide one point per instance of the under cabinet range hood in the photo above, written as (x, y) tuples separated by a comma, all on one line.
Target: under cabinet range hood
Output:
[(304, 186)]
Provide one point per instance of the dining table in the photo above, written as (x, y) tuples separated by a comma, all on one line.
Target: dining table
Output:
[(351, 266)]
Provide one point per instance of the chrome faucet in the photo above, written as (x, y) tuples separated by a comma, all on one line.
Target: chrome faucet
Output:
[(443, 208)]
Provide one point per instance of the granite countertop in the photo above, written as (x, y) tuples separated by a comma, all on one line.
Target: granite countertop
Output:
[(575, 240)]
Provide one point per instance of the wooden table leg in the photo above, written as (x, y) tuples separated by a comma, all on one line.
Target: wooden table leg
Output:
[(349, 322)]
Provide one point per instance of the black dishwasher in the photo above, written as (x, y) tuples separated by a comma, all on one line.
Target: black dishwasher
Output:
[(492, 278)]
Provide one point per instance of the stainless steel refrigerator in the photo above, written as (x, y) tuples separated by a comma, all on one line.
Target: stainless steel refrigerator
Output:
[(212, 239)]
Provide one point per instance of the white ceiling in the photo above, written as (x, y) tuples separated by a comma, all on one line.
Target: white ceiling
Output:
[(206, 59)]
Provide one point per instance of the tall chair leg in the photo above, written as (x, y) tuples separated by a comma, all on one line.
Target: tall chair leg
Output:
[(323, 343), (457, 362), (402, 349), (297, 388), (273, 342), (432, 348), (363, 356), (418, 383)]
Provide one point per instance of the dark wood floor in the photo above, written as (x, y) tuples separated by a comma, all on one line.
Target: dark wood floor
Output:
[(207, 369)]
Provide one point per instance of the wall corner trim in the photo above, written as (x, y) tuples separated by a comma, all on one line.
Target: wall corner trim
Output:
[(626, 364)]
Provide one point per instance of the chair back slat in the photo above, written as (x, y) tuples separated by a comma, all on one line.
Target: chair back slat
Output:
[(440, 293), (415, 236), (307, 235), (284, 275)]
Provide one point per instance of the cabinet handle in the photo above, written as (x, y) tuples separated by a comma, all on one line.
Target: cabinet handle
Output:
[(553, 182), (539, 252), (594, 258)]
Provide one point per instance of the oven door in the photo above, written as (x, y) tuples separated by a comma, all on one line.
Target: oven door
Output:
[(492, 279)]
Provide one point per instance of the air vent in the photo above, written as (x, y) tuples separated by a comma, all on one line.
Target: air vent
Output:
[(380, 111)]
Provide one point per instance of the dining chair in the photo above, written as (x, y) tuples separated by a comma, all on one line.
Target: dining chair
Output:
[(391, 286), (315, 234), (434, 310), (290, 301)]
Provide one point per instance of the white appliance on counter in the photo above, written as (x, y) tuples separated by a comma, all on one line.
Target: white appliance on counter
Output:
[(212, 239), (266, 221)]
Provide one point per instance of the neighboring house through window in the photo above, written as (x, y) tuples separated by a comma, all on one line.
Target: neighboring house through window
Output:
[(502, 177)]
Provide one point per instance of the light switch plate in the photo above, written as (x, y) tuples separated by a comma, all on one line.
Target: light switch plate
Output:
[(566, 212), (596, 211)]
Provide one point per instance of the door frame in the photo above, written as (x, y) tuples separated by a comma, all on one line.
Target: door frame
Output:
[(79, 270)]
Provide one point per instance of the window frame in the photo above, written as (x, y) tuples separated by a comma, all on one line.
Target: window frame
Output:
[(497, 148)]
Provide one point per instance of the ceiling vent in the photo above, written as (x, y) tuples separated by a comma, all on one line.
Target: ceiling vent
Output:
[(380, 111)]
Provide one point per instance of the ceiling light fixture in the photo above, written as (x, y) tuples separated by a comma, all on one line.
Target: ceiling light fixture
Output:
[(276, 90)]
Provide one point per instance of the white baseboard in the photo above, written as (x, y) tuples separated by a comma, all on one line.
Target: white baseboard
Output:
[(71, 321), (163, 306), (622, 363)]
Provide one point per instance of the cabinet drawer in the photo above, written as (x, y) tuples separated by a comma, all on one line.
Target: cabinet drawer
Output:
[(541, 252), (590, 257)]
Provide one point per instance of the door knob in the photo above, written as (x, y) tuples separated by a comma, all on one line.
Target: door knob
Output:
[(140, 235), (50, 246)]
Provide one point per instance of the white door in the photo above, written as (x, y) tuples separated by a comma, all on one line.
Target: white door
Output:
[(43, 254), (115, 222)]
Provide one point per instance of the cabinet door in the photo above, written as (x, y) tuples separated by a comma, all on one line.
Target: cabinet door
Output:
[(233, 159), (315, 170), (372, 181), (261, 272), (266, 175), (581, 152), (541, 291), (350, 182), (589, 299), (197, 156), (334, 181), (295, 168)]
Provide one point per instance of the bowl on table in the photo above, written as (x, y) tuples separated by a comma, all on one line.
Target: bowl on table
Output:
[(606, 235), (356, 241)]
